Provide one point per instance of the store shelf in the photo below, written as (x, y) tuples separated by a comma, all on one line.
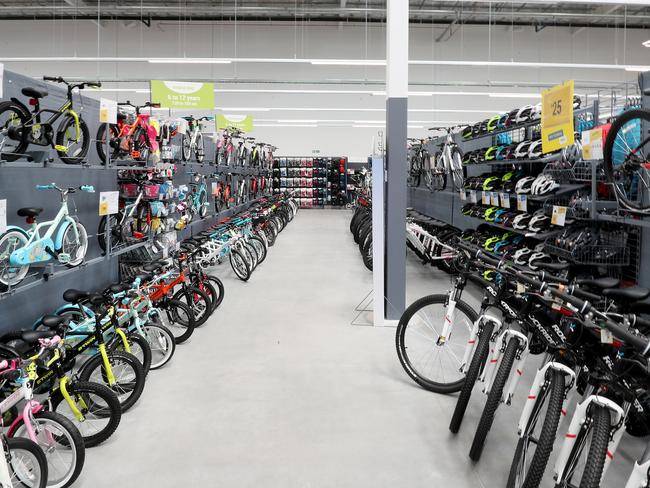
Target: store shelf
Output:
[(549, 159), (502, 131), (539, 236)]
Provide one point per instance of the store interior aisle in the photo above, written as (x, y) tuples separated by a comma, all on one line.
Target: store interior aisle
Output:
[(277, 389)]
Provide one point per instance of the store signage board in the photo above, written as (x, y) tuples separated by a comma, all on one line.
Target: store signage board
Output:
[(592, 144), (109, 202), (557, 117), (183, 94), (107, 111), (245, 124), (3, 216)]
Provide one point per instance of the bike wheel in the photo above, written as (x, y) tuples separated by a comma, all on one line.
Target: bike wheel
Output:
[(198, 301), (128, 373), (180, 320), (62, 444), (186, 150), (26, 462), (109, 224), (141, 226), (239, 265), (75, 246), (199, 150), (433, 368), (161, 341), (217, 284), (203, 205), (140, 146), (11, 275), (475, 367), (139, 348), (72, 144), (99, 406), (260, 249), (587, 460), (113, 141), (626, 157), (493, 400), (12, 120), (527, 469), (457, 170), (366, 254)]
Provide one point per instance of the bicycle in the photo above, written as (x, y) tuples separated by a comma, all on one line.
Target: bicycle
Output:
[(197, 197), (21, 127), (19, 248), (193, 139), (448, 161)]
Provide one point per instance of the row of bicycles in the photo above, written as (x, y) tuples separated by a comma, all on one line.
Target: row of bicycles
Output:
[(67, 381), (590, 333), (361, 228), (136, 136)]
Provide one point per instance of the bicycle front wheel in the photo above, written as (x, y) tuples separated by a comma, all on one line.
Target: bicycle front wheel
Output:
[(72, 141), (27, 463), (180, 320), (73, 245), (435, 367), (239, 265), (161, 341)]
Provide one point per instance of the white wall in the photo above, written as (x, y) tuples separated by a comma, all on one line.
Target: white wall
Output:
[(282, 40)]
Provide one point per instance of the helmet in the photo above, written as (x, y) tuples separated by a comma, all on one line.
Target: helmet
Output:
[(498, 216), (509, 186), (490, 153), (576, 102), (543, 185), (523, 115), (535, 149), (511, 118), (476, 129), (502, 120), (536, 112), (483, 127), (521, 256), (508, 218), (507, 176), (500, 153), (521, 221), (522, 150), (524, 184), (467, 132), (490, 242), (493, 122), (490, 213), (466, 210), (491, 183), (539, 223), (538, 257), (467, 157), (509, 152)]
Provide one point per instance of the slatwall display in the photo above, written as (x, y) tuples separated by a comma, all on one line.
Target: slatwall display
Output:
[(315, 182)]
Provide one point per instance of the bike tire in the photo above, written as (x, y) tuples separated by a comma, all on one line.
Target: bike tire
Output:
[(198, 301), (161, 342), (199, 150), (180, 318), (257, 243), (366, 254), (128, 392), (100, 143), (475, 367), (218, 286), (83, 240), (61, 133), (186, 147), (110, 409), (23, 118), (493, 400), (241, 269), (555, 395), (139, 348), (402, 348), (36, 478)]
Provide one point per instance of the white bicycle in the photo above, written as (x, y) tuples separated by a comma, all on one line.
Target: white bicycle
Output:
[(193, 139)]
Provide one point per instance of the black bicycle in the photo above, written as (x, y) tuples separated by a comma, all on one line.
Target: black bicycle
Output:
[(19, 127)]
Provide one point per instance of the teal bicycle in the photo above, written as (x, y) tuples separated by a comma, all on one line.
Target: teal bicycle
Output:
[(63, 239), (197, 197)]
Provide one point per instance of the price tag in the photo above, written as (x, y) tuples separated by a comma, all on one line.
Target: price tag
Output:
[(485, 198), (3, 216), (107, 111), (109, 202), (505, 200), (167, 153), (559, 215), (472, 196), (522, 203), (592, 144), (606, 337), (557, 117), (494, 198), (463, 195), (520, 288)]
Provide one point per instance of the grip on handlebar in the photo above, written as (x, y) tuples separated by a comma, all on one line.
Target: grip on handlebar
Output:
[(87, 188), (45, 187)]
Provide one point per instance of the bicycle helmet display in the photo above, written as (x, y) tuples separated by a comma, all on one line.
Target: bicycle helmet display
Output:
[(522, 150), (521, 221), (524, 113), (535, 149), (493, 123), (490, 213), (543, 185), (521, 256), (524, 184), (539, 223), (491, 183)]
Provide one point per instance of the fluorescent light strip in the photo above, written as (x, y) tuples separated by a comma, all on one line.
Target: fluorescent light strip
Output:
[(189, 61), (344, 109), (286, 125)]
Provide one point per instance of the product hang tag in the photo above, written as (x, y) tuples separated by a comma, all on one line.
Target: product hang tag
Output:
[(3, 216), (494, 198), (109, 202), (606, 337), (485, 198), (559, 215), (505, 200), (472, 196), (463, 195), (522, 203)]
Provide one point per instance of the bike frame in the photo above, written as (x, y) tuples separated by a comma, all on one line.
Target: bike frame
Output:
[(35, 121)]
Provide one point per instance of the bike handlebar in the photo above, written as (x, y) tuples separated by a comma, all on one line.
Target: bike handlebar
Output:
[(87, 188), (51, 186)]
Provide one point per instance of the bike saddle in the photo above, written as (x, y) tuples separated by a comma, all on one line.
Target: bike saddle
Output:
[(600, 283), (75, 296), (117, 288), (640, 307), (97, 299), (627, 295), (54, 322), (144, 277), (27, 336), (29, 212), (28, 91), (155, 266)]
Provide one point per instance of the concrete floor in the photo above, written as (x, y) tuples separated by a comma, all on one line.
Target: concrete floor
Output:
[(277, 389)]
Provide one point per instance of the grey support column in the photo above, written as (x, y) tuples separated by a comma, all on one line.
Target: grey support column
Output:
[(397, 46)]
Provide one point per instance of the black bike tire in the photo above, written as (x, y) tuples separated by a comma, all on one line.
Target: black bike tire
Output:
[(156, 323), (85, 144), (24, 118), (601, 428), (244, 276), (218, 284), (172, 316), (366, 254), (493, 400), (261, 255), (100, 145), (107, 395), (23, 444), (402, 354), (186, 295), (476, 365)]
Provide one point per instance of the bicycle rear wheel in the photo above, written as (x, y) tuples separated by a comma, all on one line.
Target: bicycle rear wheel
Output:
[(12, 120), (180, 319)]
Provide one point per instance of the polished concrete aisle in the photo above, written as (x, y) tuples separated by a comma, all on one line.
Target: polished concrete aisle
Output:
[(279, 390)]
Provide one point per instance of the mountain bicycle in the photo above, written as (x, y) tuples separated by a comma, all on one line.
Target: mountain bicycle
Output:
[(136, 139), (56, 435), (19, 127), (19, 248), (193, 139)]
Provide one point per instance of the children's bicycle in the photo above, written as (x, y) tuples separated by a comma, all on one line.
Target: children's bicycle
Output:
[(193, 139), (65, 239), (19, 127)]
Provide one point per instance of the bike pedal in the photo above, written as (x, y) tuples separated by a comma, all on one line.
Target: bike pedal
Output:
[(135, 154), (63, 257), (60, 148)]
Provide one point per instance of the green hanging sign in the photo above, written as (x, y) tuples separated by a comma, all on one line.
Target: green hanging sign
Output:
[(244, 124), (183, 94)]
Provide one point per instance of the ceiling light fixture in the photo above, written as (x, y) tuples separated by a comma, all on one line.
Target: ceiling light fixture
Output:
[(346, 109), (189, 61)]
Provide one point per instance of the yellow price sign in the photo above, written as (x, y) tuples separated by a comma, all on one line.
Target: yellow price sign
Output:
[(557, 117)]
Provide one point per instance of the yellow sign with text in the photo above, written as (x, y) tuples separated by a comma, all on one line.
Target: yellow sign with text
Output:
[(557, 117)]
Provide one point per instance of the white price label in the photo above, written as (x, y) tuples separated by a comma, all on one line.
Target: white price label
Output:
[(485, 198), (494, 198), (559, 215), (3, 216), (109, 202), (472, 196), (2, 71), (522, 203), (463, 195), (505, 200), (606, 337), (107, 111)]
